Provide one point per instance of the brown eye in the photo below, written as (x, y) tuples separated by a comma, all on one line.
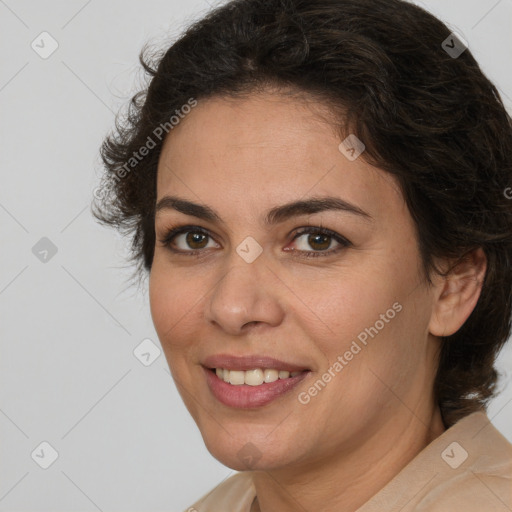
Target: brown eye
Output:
[(187, 240), (195, 240), (320, 240)]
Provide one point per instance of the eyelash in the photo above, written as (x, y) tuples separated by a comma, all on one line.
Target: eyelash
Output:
[(173, 232)]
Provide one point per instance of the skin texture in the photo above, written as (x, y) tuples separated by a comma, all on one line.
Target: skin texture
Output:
[(242, 157)]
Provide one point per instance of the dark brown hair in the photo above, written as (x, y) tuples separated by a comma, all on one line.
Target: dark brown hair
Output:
[(430, 118)]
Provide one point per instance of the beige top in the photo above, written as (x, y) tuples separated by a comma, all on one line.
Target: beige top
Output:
[(468, 468)]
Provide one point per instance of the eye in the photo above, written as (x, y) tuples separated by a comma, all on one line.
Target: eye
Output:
[(320, 239), (192, 238)]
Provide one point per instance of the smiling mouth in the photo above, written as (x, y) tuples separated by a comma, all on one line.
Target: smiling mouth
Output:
[(253, 377), (253, 388)]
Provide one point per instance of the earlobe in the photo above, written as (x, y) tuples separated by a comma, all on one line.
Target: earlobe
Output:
[(457, 294)]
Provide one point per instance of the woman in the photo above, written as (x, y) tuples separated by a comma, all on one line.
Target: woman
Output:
[(317, 191)]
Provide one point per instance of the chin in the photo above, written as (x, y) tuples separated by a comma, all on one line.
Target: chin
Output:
[(247, 453)]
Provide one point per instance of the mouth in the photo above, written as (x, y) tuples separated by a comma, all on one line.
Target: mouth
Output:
[(251, 362), (253, 381)]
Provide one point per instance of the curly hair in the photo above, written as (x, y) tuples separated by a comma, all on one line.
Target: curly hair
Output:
[(429, 117)]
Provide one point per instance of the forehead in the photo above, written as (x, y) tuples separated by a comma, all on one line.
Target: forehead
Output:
[(263, 150)]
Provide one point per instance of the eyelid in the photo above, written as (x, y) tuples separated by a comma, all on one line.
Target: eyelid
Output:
[(173, 232), (319, 229)]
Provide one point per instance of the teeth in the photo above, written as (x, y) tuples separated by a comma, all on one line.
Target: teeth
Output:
[(254, 377), (236, 377), (270, 375)]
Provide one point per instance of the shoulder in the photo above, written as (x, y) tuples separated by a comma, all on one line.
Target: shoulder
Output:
[(470, 492), (479, 475), (466, 469), (234, 494)]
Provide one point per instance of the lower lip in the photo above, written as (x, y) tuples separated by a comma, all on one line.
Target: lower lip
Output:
[(245, 396)]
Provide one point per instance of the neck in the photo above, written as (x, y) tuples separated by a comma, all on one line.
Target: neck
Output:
[(344, 483)]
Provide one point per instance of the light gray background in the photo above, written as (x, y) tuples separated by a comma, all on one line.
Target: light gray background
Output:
[(69, 325)]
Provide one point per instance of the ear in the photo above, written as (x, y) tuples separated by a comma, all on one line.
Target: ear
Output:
[(456, 294)]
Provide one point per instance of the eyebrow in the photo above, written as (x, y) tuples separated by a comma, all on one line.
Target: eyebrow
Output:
[(274, 215)]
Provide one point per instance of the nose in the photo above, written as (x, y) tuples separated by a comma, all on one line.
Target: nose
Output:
[(247, 294)]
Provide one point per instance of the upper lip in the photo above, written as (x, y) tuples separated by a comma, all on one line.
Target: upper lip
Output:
[(250, 362)]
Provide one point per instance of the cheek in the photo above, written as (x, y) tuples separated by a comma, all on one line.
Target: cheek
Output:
[(345, 306), (158, 300), (392, 361), (370, 318), (173, 302)]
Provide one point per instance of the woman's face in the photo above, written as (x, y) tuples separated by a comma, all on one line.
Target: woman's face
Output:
[(352, 317)]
